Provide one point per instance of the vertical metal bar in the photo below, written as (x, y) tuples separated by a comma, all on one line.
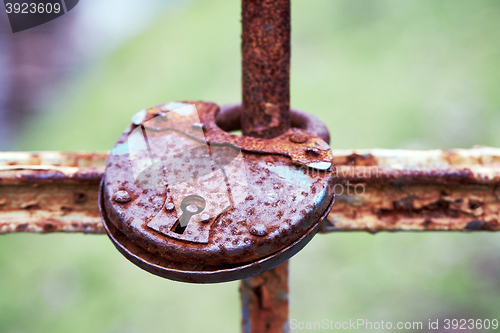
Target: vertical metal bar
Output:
[(265, 51), (264, 301), (266, 67)]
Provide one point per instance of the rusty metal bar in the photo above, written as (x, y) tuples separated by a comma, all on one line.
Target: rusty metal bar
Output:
[(399, 190), (50, 192), (266, 67), (265, 49), (264, 301), (378, 190)]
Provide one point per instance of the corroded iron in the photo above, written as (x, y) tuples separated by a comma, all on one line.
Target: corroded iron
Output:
[(312, 129), (398, 190), (265, 49), (265, 301), (49, 192), (229, 119), (242, 205), (426, 174)]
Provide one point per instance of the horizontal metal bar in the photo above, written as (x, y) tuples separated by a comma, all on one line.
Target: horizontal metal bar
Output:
[(405, 190), (50, 192), (377, 190)]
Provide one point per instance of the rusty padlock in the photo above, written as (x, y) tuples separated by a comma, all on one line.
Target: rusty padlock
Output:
[(186, 200)]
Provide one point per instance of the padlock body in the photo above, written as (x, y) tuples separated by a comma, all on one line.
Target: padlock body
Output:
[(250, 205)]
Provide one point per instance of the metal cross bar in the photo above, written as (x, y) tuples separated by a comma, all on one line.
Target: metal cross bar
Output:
[(399, 190), (50, 192), (377, 190)]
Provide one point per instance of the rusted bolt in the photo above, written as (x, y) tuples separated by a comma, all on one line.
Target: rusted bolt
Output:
[(169, 207), (122, 197), (258, 230), (298, 137), (205, 218)]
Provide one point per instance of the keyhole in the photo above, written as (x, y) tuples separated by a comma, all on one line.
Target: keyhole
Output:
[(190, 205)]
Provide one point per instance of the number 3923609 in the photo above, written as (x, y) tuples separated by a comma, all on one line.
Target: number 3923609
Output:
[(33, 8), (462, 324)]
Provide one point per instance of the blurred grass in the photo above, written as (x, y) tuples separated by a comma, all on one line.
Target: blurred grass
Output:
[(384, 73)]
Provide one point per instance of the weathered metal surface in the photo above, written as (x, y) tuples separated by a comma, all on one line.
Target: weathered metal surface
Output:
[(264, 301), (162, 267), (229, 117), (265, 49), (300, 153), (50, 158), (471, 173), (261, 207), (50, 192), (404, 190), (266, 67)]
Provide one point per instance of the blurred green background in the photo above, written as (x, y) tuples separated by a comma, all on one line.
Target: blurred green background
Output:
[(380, 73)]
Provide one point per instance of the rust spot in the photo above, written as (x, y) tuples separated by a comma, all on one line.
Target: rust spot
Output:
[(313, 152), (80, 197), (427, 223), (49, 227), (22, 227), (361, 160), (473, 205), (440, 208)]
